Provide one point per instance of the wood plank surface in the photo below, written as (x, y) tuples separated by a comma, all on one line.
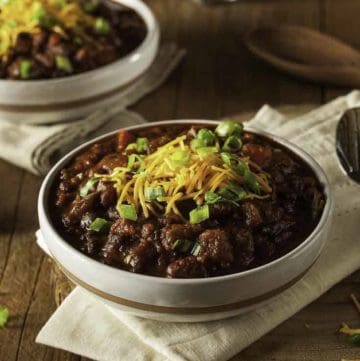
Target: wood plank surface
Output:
[(218, 77)]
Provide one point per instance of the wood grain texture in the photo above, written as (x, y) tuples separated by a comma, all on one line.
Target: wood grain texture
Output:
[(217, 78)]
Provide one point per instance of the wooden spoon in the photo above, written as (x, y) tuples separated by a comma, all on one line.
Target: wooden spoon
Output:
[(307, 53)]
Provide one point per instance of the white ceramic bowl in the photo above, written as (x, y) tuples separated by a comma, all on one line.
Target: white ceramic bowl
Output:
[(184, 299), (54, 100)]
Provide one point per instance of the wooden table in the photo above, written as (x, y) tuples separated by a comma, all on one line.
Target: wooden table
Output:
[(218, 77)]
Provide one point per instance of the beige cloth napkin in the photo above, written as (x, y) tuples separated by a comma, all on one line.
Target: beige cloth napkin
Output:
[(37, 147), (85, 326)]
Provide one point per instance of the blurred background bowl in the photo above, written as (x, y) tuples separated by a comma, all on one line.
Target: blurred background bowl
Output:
[(73, 97)]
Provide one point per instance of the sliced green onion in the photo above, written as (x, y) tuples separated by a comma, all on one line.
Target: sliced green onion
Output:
[(62, 3), (41, 16), (212, 198), (232, 192), (88, 187), (25, 69), (64, 63), (234, 162), (4, 315), (182, 245), (196, 249), (200, 214), (355, 339), (131, 146), (240, 167), (227, 157), (251, 181), (102, 26), (204, 151), (11, 23), (232, 144), (196, 143), (142, 145), (127, 211), (78, 40), (135, 161), (229, 127), (100, 225), (90, 6), (152, 194), (206, 136), (180, 158)]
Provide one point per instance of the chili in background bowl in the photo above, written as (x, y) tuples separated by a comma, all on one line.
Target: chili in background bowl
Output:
[(185, 299), (75, 96)]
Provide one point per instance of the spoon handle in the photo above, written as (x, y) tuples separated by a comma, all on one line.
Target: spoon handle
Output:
[(348, 143)]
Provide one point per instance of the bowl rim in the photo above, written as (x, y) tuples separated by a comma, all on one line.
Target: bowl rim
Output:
[(307, 158), (142, 9)]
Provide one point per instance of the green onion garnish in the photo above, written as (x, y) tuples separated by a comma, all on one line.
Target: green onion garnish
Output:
[(102, 26), (41, 16), (251, 181), (204, 151), (63, 63), (196, 143), (152, 194), (180, 158), (234, 162), (182, 245), (206, 136), (212, 198), (232, 144), (25, 69), (135, 161), (227, 157), (100, 225), (232, 192), (355, 339), (131, 146), (200, 214), (142, 145), (229, 127), (90, 6), (196, 249), (4, 315), (78, 40), (88, 187), (127, 211)]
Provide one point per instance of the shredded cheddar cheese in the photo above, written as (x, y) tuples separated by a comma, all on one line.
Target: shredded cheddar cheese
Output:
[(182, 172), (18, 16)]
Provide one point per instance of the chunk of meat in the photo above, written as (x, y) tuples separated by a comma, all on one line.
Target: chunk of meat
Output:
[(91, 242), (244, 247), (111, 161), (108, 195), (215, 248), (264, 248), (173, 232), (148, 231), (124, 228), (140, 255), (122, 234), (223, 210), (260, 154), (23, 44), (124, 138), (79, 207), (188, 267), (253, 217)]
